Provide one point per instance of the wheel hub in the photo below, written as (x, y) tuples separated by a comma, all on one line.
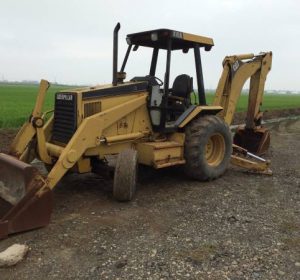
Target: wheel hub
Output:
[(215, 149)]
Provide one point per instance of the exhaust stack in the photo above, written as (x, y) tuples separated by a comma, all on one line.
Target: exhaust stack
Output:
[(115, 54)]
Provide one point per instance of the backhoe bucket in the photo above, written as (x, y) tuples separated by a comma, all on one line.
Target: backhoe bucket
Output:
[(256, 140), (25, 200)]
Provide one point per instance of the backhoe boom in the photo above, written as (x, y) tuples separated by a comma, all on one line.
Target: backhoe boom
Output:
[(237, 70)]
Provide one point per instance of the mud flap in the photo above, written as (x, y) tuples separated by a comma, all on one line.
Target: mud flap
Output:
[(26, 202), (256, 140)]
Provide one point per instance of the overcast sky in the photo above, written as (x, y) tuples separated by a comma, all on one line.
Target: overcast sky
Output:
[(71, 41)]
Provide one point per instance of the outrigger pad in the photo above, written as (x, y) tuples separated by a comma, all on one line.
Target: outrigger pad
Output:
[(256, 140)]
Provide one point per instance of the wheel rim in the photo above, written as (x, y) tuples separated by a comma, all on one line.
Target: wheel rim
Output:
[(215, 149)]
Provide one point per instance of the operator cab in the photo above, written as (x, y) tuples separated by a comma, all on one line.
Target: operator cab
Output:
[(168, 104)]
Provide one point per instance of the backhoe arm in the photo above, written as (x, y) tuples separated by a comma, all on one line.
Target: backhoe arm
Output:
[(251, 137), (237, 70)]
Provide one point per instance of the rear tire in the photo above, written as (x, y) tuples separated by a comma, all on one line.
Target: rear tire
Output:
[(125, 176), (208, 147)]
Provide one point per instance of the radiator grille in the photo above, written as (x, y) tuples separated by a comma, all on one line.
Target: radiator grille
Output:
[(65, 117), (91, 108)]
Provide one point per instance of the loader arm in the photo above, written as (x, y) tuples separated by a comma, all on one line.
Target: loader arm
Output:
[(19, 147)]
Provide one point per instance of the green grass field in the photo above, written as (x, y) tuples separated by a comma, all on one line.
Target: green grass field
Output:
[(17, 101), (270, 101)]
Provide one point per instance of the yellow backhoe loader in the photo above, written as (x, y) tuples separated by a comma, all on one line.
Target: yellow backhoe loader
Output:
[(141, 121)]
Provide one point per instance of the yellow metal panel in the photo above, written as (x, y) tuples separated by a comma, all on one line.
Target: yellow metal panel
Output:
[(54, 150), (142, 120), (198, 39), (167, 153), (84, 165), (162, 145), (145, 153), (104, 149), (172, 162), (122, 126), (160, 154), (137, 121), (197, 110), (177, 137)]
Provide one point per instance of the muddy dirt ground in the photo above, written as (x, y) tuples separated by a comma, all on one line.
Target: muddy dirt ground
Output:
[(241, 226)]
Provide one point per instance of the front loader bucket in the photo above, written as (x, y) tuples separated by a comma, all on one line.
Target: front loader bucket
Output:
[(25, 200), (256, 140)]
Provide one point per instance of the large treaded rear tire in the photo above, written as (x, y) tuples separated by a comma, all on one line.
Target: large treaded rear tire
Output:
[(125, 176), (208, 147)]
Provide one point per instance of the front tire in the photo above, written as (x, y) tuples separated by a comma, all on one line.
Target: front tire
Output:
[(125, 176), (208, 147)]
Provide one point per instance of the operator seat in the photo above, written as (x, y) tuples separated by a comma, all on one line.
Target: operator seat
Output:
[(179, 99), (182, 87)]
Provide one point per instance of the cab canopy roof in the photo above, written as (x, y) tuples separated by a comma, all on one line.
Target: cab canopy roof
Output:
[(159, 39)]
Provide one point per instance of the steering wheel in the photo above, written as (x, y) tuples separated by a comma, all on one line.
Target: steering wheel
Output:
[(159, 81)]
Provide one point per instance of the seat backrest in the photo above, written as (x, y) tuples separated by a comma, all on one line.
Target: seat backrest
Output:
[(182, 86)]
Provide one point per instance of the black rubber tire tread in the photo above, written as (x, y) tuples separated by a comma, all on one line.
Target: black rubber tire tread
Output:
[(197, 134), (125, 176)]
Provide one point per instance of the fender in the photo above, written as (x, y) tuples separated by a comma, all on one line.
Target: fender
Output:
[(193, 111)]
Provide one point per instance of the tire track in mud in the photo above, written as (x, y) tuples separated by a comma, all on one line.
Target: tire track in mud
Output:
[(288, 127)]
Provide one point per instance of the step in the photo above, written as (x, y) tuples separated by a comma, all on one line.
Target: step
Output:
[(160, 154)]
